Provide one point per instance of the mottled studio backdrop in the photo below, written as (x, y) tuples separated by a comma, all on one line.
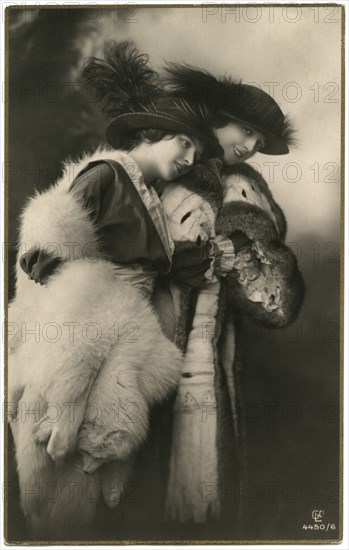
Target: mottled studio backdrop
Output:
[(291, 377)]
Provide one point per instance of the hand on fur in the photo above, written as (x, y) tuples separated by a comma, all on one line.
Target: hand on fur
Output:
[(189, 216)]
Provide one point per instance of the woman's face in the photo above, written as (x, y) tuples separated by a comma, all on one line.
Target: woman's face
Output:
[(174, 156), (239, 141)]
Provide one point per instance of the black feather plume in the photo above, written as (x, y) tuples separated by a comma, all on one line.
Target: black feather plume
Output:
[(289, 133), (197, 84), (245, 102), (123, 79)]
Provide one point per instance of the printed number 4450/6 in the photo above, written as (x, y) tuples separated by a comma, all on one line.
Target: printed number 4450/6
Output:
[(319, 527)]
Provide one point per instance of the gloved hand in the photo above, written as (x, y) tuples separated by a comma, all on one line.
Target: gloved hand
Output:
[(190, 262), (189, 216)]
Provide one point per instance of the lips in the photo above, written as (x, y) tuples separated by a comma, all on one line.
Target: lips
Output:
[(237, 152), (179, 167)]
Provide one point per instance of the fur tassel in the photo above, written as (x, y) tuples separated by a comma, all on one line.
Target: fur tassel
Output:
[(123, 80), (193, 484)]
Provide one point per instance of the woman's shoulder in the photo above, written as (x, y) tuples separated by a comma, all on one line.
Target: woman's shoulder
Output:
[(102, 170), (100, 183), (95, 177)]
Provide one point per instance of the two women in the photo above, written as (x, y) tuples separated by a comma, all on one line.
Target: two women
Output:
[(161, 136)]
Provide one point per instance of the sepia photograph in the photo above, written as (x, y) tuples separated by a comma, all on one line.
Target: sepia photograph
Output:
[(173, 254)]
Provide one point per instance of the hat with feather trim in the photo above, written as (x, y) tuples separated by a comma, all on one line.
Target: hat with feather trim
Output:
[(243, 103), (169, 114), (134, 99)]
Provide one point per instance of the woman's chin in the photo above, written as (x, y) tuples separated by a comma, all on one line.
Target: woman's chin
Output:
[(231, 160), (170, 175)]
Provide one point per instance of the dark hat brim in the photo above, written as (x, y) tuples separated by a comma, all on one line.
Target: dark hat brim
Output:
[(126, 123), (274, 145)]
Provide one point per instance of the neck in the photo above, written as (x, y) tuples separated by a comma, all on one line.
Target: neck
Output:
[(140, 155)]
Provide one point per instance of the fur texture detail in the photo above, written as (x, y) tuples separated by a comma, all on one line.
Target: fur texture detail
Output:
[(245, 173), (245, 217), (204, 182), (248, 213), (248, 219), (97, 320), (55, 222), (93, 332)]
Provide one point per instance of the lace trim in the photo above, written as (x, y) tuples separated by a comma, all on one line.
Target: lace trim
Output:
[(222, 255), (261, 286)]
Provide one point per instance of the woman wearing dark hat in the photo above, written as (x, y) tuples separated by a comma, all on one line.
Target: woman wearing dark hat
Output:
[(156, 135), (256, 276), (245, 119), (111, 209)]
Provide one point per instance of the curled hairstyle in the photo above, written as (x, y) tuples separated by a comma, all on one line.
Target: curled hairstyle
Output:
[(150, 135)]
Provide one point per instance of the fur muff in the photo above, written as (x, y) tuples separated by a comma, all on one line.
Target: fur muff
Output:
[(248, 210), (93, 332), (279, 286), (274, 298), (260, 278)]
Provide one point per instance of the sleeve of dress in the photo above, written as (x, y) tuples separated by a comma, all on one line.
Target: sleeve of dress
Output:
[(95, 188)]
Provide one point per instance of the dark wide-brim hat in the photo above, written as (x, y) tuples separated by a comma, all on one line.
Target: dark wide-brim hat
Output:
[(240, 102), (250, 105), (274, 145), (172, 114)]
